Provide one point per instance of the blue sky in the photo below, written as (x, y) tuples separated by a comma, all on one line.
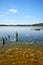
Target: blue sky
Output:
[(21, 11)]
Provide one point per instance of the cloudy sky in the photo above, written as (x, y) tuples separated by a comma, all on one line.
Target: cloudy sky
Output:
[(21, 11)]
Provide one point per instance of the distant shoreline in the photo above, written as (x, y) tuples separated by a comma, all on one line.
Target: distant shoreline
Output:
[(40, 24)]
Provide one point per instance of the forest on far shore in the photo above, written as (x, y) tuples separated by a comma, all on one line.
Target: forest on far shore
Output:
[(39, 24)]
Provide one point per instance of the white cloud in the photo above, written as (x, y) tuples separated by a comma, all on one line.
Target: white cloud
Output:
[(28, 17), (13, 11)]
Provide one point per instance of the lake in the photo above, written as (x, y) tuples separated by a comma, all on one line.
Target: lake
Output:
[(27, 51), (25, 33)]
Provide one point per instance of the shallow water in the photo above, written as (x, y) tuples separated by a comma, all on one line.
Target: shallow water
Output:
[(25, 33), (21, 54), (27, 51)]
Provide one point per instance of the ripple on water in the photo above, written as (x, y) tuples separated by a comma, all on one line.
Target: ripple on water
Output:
[(0, 61), (31, 55), (40, 52), (9, 50), (12, 56)]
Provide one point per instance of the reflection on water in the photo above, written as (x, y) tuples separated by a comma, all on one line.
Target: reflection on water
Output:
[(25, 34), (27, 51)]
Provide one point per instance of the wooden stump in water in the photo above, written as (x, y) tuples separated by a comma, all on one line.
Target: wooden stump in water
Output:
[(3, 41), (16, 37), (9, 36), (6, 38)]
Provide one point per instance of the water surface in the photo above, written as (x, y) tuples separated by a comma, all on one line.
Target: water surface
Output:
[(25, 33)]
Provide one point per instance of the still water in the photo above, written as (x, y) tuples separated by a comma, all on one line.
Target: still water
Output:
[(25, 33)]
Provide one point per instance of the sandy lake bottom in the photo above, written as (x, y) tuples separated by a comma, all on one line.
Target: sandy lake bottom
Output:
[(21, 54)]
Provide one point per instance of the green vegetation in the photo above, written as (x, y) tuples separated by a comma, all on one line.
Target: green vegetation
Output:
[(39, 24)]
